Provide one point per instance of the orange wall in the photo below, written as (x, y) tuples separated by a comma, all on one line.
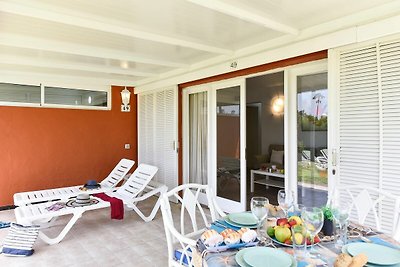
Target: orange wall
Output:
[(49, 147)]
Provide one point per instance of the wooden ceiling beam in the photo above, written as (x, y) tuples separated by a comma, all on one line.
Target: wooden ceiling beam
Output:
[(68, 65), (245, 14), (102, 24), (45, 44)]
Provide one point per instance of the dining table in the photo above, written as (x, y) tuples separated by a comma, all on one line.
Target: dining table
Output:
[(327, 249)]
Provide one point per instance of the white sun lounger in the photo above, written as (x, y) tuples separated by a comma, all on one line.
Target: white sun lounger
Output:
[(64, 193), (137, 188)]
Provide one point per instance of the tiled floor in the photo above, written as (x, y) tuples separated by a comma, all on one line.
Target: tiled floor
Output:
[(96, 240)]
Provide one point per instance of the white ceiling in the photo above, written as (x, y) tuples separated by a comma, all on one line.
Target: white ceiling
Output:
[(131, 42)]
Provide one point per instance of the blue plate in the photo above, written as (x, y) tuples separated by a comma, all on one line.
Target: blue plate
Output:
[(377, 254), (228, 221), (344, 250), (241, 261), (264, 257), (243, 218)]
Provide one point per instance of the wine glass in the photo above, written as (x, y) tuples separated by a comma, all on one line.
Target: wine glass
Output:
[(285, 200), (313, 219), (259, 208), (341, 216)]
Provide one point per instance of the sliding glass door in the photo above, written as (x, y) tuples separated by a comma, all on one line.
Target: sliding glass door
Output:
[(229, 147), (309, 155), (214, 141)]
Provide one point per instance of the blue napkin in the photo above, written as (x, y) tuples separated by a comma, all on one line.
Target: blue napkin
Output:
[(302, 264), (4, 224), (219, 228), (380, 241)]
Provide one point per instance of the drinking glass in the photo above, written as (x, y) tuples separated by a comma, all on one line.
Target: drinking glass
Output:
[(285, 200), (299, 233), (259, 208), (313, 220), (341, 217), (295, 210)]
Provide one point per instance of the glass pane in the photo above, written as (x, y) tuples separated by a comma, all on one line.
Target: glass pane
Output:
[(228, 143), (312, 139), (198, 148), (265, 136), (75, 97), (19, 93)]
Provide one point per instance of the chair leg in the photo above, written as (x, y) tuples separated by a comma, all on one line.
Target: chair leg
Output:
[(63, 233)]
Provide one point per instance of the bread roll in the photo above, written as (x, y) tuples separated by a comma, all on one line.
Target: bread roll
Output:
[(226, 232), (359, 260), (211, 238), (343, 260), (247, 235), (232, 238)]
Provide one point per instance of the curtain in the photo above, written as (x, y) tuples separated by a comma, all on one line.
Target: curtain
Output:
[(198, 138)]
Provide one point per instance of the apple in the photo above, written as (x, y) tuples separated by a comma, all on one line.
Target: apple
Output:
[(288, 241), (271, 231), (298, 220), (316, 239), (282, 221), (298, 238), (282, 233), (292, 222)]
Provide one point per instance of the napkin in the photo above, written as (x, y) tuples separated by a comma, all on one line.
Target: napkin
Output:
[(219, 228), (380, 241)]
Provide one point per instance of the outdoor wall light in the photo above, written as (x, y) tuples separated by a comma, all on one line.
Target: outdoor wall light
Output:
[(277, 105), (125, 96)]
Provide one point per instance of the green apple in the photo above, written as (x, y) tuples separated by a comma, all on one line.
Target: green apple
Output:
[(271, 231), (282, 233)]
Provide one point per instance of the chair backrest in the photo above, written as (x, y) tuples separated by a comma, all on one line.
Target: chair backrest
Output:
[(324, 153), (366, 201), (198, 218), (118, 173), (137, 181), (306, 155)]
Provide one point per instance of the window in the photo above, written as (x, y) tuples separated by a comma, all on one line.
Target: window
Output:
[(58, 97), (74, 97), (17, 93)]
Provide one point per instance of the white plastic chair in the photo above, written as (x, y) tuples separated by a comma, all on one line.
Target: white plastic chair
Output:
[(365, 201), (130, 193), (177, 237), (64, 193)]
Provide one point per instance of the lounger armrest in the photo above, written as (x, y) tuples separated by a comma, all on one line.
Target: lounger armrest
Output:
[(161, 189)]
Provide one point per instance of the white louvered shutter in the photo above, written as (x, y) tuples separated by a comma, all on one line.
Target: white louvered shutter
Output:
[(369, 121), (158, 134), (390, 85)]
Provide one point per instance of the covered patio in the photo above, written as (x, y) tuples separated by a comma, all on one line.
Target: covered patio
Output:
[(140, 106)]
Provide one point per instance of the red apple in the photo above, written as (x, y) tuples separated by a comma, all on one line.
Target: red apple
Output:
[(292, 222), (316, 239), (288, 241), (282, 221), (308, 241)]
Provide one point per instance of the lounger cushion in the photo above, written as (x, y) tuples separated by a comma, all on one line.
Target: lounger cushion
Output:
[(20, 240)]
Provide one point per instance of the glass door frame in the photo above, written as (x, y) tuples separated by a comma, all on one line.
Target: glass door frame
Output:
[(227, 204), (291, 74), (185, 128)]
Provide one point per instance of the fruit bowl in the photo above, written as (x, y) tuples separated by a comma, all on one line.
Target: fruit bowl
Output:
[(281, 233)]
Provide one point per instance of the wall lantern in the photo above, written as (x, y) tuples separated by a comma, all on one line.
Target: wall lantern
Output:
[(277, 105), (125, 96)]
